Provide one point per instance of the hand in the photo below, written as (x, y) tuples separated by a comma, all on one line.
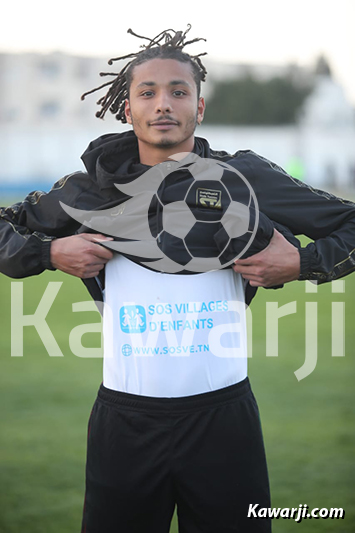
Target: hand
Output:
[(80, 255), (278, 263)]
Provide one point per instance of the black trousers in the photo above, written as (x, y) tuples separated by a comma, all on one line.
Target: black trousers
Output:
[(203, 453)]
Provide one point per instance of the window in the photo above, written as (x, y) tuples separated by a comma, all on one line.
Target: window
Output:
[(49, 69), (49, 109)]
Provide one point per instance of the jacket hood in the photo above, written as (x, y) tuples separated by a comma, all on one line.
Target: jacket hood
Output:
[(114, 158)]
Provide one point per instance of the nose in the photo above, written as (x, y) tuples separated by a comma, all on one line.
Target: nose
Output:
[(163, 104)]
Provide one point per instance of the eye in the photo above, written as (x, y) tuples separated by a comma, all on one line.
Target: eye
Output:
[(179, 93), (147, 93)]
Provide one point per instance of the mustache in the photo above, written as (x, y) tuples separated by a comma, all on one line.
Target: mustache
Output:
[(164, 119)]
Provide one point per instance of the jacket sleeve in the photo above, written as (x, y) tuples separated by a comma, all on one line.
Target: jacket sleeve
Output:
[(27, 228), (327, 220)]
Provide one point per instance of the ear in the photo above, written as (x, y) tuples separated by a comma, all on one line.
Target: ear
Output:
[(127, 111), (200, 109)]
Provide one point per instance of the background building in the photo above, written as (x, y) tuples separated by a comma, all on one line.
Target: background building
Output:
[(44, 125)]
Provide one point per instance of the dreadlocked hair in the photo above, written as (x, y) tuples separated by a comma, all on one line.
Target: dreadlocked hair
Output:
[(168, 44)]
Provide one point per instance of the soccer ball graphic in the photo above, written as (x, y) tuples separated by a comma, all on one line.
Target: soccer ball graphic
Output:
[(203, 216), (192, 215)]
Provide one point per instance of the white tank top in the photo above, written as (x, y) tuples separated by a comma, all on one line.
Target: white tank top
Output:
[(171, 335)]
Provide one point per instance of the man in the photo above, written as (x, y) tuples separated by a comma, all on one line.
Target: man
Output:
[(166, 430)]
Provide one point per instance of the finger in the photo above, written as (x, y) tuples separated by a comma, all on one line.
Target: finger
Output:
[(98, 250), (92, 271), (94, 265), (245, 262), (257, 270), (248, 274), (95, 237), (253, 280), (101, 252), (88, 275), (243, 269), (256, 284)]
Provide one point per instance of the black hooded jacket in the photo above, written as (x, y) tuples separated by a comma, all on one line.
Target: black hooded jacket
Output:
[(292, 207)]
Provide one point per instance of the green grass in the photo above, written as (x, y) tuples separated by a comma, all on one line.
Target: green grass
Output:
[(45, 402)]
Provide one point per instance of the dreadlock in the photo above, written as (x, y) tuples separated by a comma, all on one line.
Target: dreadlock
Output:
[(171, 48)]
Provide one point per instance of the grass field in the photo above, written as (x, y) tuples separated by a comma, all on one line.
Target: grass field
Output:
[(309, 426)]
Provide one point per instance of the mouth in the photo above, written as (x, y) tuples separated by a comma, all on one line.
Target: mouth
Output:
[(164, 124)]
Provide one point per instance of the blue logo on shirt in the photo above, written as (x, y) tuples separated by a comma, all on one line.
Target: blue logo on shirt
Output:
[(133, 319), (126, 350)]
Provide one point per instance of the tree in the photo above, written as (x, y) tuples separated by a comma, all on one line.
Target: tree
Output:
[(248, 101)]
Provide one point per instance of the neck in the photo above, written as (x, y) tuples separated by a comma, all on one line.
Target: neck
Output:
[(153, 155)]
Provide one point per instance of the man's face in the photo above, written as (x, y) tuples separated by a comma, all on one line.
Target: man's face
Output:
[(163, 106)]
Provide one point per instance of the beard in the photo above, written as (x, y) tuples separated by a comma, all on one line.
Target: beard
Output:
[(165, 141)]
